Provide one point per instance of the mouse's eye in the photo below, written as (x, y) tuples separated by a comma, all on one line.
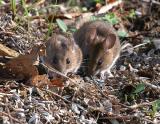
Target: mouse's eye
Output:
[(64, 46), (55, 60), (68, 61), (99, 62)]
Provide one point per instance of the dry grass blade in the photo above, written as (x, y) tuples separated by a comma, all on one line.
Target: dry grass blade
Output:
[(5, 51)]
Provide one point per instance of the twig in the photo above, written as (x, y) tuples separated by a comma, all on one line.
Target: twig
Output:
[(152, 86), (140, 45), (141, 105), (3, 113), (9, 114), (142, 33), (6, 94), (126, 45), (138, 105), (118, 117), (55, 94), (34, 5), (107, 7), (127, 117), (153, 1), (57, 72)]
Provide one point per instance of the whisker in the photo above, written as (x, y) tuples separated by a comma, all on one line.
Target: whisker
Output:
[(85, 59), (83, 62), (84, 66)]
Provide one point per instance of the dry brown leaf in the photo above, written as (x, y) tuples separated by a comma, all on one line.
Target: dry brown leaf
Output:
[(42, 80), (57, 82), (110, 1), (39, 81), (5, 51), (21, 67)]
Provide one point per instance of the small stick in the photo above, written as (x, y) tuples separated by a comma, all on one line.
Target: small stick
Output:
[(3, 113), (55, 94), (128, 44), (137, 105), (107, 7), (57, 72), (6, 94), (152, 86), (127, 117)]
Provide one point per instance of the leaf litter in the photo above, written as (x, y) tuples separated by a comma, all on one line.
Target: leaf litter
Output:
[(132, 96)]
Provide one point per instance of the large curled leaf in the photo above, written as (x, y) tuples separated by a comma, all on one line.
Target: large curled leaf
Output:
[(62, 25)]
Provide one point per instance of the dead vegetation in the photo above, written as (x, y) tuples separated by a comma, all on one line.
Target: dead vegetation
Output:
[(27, 95)]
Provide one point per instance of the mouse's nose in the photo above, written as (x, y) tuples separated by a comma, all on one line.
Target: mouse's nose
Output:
[(92, 71)]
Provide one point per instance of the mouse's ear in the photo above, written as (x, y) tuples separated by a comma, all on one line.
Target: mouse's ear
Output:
[(53, 38), (91, 34), (72, 43), (110, 41)]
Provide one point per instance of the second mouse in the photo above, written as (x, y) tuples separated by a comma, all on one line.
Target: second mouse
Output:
[(100, 46), (62, 53)]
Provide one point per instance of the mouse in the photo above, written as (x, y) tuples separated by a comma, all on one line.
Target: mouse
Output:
[(100, 46), (62, 53)]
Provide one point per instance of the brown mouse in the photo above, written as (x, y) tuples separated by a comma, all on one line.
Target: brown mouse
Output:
[(63, 54), (100, 46)]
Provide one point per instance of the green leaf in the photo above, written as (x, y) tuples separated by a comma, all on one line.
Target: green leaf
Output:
[(49, 30), (0, 2), (97, 1), (139, 88), (84, 9), (122, 33), (73, 29), (132, 13), (62, 25), (111, 18), (155, 107), (157, 104), (25, 8), (92, 18), (13, 6)]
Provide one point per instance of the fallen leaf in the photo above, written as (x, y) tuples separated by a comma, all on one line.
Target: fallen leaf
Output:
[(62, 25), (110, 1), (57, 82), (5, 51), (42, 80), (21, 67), (39, 80)]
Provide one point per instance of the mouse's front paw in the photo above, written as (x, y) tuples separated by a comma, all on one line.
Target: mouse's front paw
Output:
[(102, 76), (110, 75)]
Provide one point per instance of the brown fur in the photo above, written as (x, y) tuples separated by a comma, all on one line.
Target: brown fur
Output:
[(63, 54), (99, 44)]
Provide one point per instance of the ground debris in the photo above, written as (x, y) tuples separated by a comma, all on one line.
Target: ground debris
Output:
[(131, 96)]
